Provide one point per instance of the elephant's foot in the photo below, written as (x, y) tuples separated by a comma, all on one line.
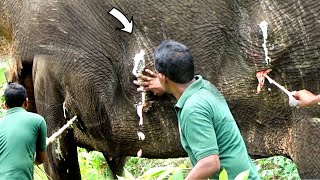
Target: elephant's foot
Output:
[(116, 165), (307, 138), (62, 162)]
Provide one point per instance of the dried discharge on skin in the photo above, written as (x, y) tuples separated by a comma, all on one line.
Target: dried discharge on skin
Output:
[(264, 28)]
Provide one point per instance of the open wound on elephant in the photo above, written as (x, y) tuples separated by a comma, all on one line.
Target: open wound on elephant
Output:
[(139, 65), (261, 76)]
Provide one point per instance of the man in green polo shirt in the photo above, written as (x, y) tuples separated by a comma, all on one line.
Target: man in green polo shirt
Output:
[(208, 131), (22, 136)]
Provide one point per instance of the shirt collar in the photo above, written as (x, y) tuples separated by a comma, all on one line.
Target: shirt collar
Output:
[(193, 87), (13, 110)]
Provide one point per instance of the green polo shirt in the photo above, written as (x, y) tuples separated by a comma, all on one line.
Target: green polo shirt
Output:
[(207, 127), (22, 133)]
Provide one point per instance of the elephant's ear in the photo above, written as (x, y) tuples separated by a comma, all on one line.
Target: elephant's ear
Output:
[(13, 69)]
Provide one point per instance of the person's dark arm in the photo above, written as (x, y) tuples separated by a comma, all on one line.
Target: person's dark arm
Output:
[(41, 144), (205, 168)]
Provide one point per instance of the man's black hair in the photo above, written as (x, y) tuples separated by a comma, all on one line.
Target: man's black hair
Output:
[(175, 61), (15, 94)]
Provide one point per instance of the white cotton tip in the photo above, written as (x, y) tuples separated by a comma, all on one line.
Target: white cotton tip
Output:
[(141, 136), (293, 102)]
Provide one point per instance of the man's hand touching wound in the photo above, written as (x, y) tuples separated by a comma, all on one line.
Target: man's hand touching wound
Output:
[(150, 83)]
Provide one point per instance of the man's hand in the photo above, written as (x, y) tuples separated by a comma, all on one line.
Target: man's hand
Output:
[(150, 83), (306, 98)]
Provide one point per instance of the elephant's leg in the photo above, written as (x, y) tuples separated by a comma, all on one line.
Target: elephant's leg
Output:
[(307, 148), (116, 164), (62, 159)]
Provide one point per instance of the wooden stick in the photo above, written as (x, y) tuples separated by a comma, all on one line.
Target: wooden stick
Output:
[(60, 131)]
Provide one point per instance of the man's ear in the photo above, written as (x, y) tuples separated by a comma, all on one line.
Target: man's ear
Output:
[(25, 104), (5, 105), (162, 77)]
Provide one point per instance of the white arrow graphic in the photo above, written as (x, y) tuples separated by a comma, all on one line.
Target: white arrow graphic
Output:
[(128, 26)]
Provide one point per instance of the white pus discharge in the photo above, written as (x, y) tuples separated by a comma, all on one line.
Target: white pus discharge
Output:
[(65, 110), (141, 136), (139, 65), (264, 28)]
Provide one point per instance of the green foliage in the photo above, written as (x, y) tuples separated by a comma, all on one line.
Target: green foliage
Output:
[(39, 173), (2, 86), (223, 175), (159, 173), (2, 73), (175, 173), (241, 176), (277, 167), (92, 164), (138, 166)]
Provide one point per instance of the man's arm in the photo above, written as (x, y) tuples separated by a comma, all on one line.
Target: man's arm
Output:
[(201, 137), (205, 168), (306, 98), (41, 143), (40, 157)]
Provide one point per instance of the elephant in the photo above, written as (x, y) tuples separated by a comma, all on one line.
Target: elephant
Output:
[(74, 60)]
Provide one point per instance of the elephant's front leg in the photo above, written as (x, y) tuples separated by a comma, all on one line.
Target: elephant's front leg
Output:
[(62, 159)]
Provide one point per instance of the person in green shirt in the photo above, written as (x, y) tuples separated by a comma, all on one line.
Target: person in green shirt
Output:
[(22, 136), (208, 131)]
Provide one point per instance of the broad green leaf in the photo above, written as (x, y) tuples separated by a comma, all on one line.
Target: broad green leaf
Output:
[(154, 172), (243, 175), (166, 173), (177, 175), (223, 175), (128, 175)]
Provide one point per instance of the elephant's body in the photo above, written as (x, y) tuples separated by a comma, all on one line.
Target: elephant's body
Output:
[(72, 53)]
